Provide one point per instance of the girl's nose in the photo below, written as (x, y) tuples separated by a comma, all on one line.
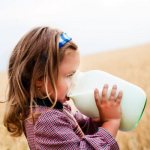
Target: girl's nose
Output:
[(69, 84)]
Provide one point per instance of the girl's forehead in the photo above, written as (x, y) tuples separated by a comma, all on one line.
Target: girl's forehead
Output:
[(70, 61), (70, 52)]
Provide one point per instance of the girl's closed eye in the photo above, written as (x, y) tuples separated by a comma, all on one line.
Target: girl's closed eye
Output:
[(70, 75)]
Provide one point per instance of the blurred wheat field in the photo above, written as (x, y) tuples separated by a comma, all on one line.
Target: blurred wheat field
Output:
[(131, 64)]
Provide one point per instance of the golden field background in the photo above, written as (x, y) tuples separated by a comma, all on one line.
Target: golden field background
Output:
[(131, 64)]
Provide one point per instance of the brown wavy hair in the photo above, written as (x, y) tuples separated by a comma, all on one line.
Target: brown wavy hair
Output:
[(36, 56)]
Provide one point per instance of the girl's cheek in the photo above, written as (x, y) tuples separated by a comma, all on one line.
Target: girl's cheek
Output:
[(63, 84), (68, 83)]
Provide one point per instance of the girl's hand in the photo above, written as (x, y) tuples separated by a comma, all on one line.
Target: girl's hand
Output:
[(109, 109)]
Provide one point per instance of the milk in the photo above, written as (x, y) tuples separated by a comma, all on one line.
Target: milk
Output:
[(82, 93)]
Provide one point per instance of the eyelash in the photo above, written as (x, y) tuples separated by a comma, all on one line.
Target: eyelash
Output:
[(70, 75)]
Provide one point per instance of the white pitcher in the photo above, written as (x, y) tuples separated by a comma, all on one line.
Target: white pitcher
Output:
[(82, 93)]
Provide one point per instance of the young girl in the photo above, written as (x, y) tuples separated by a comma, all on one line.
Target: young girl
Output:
[(40, 70)]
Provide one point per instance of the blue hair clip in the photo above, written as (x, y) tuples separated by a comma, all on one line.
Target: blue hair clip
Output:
[(64, 38)]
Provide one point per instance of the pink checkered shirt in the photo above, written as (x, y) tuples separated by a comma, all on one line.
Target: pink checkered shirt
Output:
[(58, 129)]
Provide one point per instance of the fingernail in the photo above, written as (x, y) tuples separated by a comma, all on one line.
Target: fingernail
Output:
[(96, 93), (120, 94), (105, 85), (114, 86), (96, 90)]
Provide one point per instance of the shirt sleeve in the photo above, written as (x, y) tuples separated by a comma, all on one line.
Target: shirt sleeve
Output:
[(53, 131), (86, 123)]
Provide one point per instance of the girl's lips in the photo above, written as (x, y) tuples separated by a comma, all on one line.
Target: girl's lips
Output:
[(67, 98)]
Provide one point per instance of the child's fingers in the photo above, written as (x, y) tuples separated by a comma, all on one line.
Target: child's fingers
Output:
[(104, 93), (97, 97), (119, 97), (113, 93)]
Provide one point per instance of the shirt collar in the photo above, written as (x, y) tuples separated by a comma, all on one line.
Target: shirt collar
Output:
[(46, 102)]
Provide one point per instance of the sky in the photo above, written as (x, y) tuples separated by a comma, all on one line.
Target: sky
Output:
[(95, 25)]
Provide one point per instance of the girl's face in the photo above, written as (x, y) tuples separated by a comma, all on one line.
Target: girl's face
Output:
[(68, 67)]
